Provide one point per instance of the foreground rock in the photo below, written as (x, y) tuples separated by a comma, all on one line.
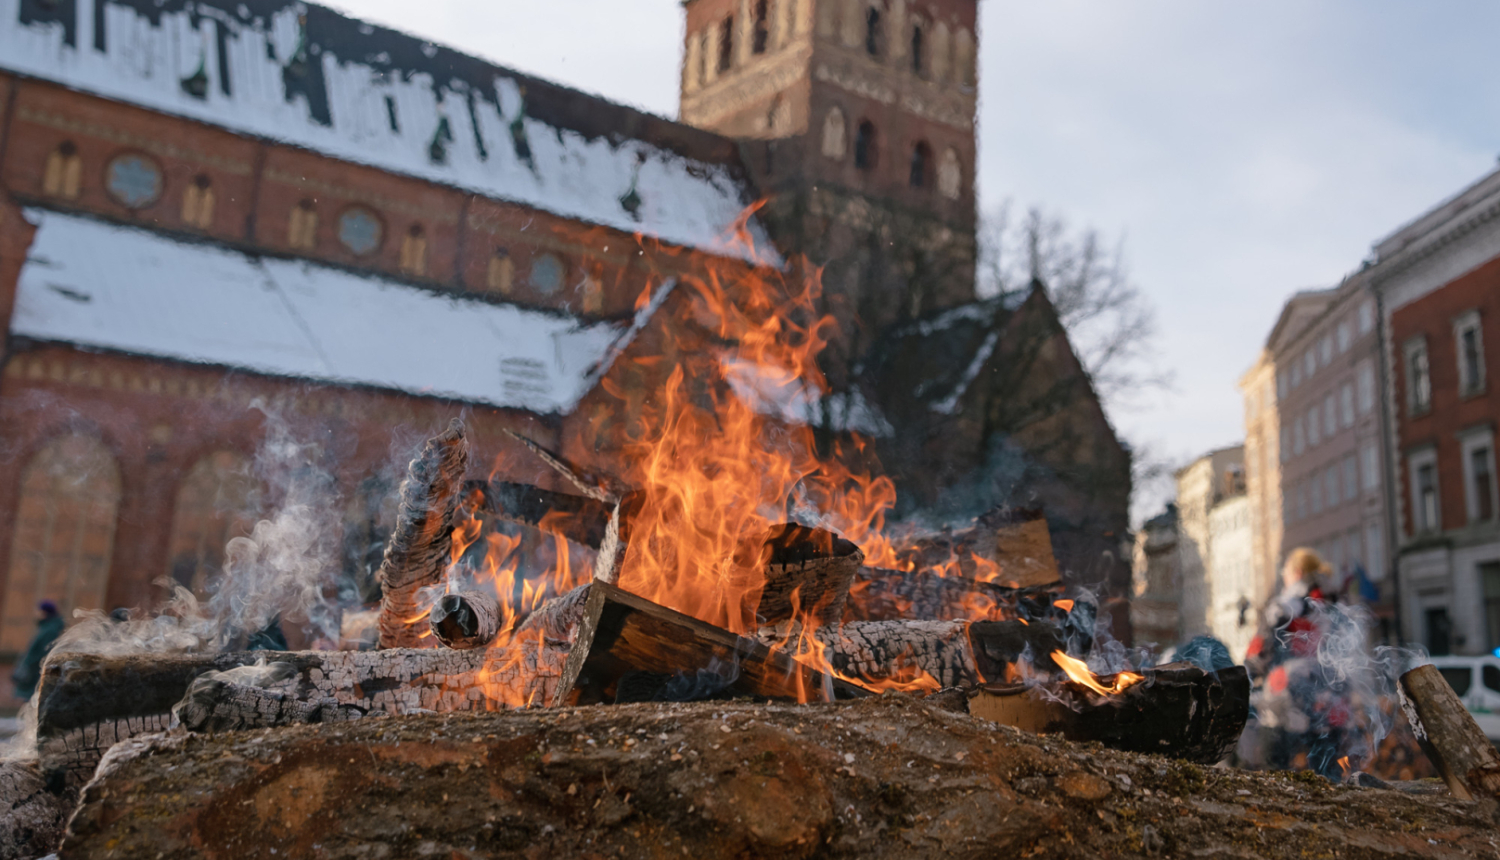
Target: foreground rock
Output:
[(883, 777)]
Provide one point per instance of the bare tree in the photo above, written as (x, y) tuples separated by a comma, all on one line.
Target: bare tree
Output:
[(1110, 323)]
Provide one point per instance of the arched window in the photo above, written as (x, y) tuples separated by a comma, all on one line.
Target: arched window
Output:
[(873, 34), (950, 175), (302, 226), (921, 159), (198, 202), (63, 536), (360, 230), (216, 501), (760, 36), (64, 171), (937, 63), (834, 134), (591, 291), (414, 251), (692, 68), (963, 57), (133, 179), (918, 49), (547, 274), (865, 150), (501, 274)]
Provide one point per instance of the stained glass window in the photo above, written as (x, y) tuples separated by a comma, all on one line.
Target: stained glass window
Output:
[(134, 180)]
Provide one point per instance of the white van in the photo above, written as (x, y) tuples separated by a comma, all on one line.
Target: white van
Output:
[(1476, 680)]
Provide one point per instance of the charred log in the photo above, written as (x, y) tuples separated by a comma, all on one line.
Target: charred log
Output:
[(580, 519), (622, 634), (1448, 734), (33, 810), (419, 546), (1179, 710), (884, 777), (469, 619), (1010, 546), (807, 572)]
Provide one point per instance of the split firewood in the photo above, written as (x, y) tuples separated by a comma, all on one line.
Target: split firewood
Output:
[(882, 777), (1009, 546), (883, 595), (557, 619), (1448, 734), (469, 619), (580, 519), (33, 809), (419, 546), (622, 633)]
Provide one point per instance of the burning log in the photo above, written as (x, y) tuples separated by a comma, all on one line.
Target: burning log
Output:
[(807, 572), (419, 546), (237, 699), (580, 519), (469, 619), (622, 635), (883, 777), (1177, 710), (1008, 546), (557, 620), (884, 595), (1448, 734)]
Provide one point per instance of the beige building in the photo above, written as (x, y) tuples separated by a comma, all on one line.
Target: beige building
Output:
[(1318, 479), (1218, 590)]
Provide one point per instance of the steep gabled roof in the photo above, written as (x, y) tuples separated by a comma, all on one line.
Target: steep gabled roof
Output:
[(307, 76)]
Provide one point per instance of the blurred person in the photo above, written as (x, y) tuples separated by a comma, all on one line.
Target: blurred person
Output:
[(28, 672)]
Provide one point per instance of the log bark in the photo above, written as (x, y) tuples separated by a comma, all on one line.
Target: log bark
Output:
[(580, 519), (86, 704), (1013, 546), (1179, 710), (877, 594), (419, 546), (1448, 734), (807, 572), (883, 777), (469, 619), (622, 634), (33, 810)]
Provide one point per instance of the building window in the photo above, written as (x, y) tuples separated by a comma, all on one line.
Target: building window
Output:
[(64, 172), (1351, 478), (591, 292), (1489, 580), (198, 202), (921, 158), (1365, 379), (873, 38), (865, 153), (1466, 334), (546, 274), (1345, 336), (1281, 385), (1325, 350), (1299, 441), (918, 49), (1426, 511), (1317, 494), (500, 276), (950, 175), (360, 230), (1286, 448), (1330, 416), (302, 228), (133, 180), (1371, 465), (1440, 640), (63, 534), (1309, 363), (1418, 377), (1374, 551), (1479, 475), (1296, 375), (414, 251), (726, 44), (1366, 317), (1302, 501), (761, 34), (1331, 486), (216, 501), (705, 51), (833, 134), (1346, 405), (1314, 429)]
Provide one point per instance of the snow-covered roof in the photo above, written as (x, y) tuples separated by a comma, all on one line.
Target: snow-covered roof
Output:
[(100, 285), (311, 77)]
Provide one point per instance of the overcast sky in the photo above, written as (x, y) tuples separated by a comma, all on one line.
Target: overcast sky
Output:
[(1243, 150)]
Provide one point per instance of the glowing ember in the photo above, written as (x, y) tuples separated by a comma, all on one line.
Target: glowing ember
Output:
[(1065, 605), (1078, 671)]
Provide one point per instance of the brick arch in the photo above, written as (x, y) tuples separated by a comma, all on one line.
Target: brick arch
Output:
[(218, 499), (63, 535)]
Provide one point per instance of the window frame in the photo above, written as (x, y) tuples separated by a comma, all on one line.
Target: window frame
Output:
[(1416, 460), (1471, 442), (1412, 348), (1462, 324)]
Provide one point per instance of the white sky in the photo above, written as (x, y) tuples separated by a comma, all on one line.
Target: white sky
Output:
[(1243, 150)]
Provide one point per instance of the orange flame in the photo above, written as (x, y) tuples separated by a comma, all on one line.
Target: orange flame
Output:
[(1344, 766), (1065, 605), (1078, 671)]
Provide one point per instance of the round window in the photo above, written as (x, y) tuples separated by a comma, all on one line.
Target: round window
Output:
[(359, 230), (134, 180), (546, 274)]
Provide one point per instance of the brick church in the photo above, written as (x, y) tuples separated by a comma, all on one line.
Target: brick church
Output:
[(219, 209)]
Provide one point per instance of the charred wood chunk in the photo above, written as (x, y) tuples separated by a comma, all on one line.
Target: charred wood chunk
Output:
[(419, 546), (1178, 710), (1009, 546), (557, 619), (214, 705), (33, 810), (470, 619), (621, 633), (1001, 646), (875, 650), (807, 573), (580, 519), (878, 594)]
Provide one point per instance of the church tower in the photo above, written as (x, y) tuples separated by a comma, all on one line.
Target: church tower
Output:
[(856, 118)]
